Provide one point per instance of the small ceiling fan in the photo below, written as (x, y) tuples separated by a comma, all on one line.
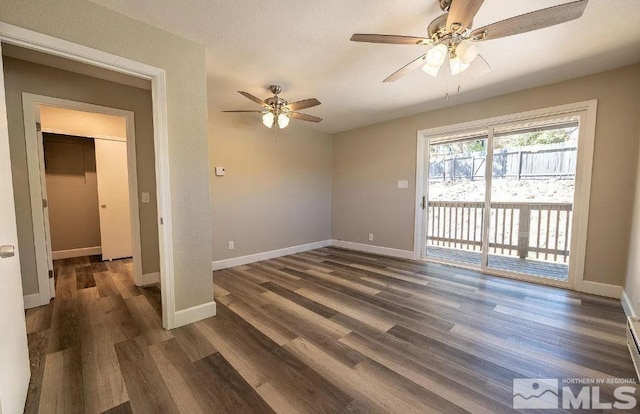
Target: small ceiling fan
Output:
[(278, 112), (451, 35)]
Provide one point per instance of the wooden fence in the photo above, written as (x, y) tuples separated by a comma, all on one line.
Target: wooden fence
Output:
[(531, 164), (526, 230)]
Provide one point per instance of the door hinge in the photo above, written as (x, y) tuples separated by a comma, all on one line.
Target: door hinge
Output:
[(38, 126), (45, 203), (50, 274), (424, 202), (161, 220)]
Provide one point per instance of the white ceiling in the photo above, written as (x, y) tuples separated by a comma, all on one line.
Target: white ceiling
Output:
[(304, 46)]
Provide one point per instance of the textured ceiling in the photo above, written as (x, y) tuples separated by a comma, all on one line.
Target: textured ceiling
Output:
[(304, 46)]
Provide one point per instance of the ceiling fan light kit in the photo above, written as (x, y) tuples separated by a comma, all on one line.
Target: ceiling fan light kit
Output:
[(437, 55), (467, 51), (283, 121), (277, 112), (267, 119), (457, 66), (450, 35)]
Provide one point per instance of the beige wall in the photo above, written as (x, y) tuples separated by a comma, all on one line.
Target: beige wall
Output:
[(632, 280), (368, 162), (72, 192), (21, 76), (82, 124), (91, 25), (275, 194)]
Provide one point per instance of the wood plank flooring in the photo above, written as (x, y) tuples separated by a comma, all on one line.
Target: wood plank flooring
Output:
[(325, 331)]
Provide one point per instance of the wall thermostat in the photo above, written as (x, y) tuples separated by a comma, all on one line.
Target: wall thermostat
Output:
[(219, 171)]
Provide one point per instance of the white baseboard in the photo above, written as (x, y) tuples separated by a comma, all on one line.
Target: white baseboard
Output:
[(32, 301), (258, 257), (628, 306), (369, 248), (601, 289), (194, 314), (68, 254), (149, 279)]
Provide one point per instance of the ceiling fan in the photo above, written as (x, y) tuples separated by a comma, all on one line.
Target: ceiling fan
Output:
[(451, 35), (278, 112)]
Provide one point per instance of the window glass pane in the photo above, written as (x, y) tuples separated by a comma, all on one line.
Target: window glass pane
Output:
[(532, 191), (456, 198)]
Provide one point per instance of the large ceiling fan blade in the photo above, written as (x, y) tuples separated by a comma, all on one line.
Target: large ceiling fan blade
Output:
[(259, 112), (479, 67), (254, 99), (304, 117), (531, 21), (461, 14), (405, 69), (389, 39), (304, 104)]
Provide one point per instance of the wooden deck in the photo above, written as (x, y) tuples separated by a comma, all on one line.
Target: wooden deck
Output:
[(557, 271)]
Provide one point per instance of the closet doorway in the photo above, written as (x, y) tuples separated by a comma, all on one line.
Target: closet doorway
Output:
[(87, 195), (82, 171)]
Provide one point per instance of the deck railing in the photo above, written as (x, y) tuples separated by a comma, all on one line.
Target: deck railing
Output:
[(526, 230)]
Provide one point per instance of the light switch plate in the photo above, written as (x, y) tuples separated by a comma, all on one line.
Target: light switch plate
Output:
[(403, 184), (145, 197), (220, 171)]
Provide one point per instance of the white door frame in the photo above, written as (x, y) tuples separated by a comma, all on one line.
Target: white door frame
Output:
[(38, 189), (14, 350), (587, 111), (47, 44)]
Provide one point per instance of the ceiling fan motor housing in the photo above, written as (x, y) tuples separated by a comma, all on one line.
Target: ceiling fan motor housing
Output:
[(439, 33), (278, 104)]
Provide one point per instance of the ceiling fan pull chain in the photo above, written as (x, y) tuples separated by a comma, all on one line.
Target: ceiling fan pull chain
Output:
[(447, 76)]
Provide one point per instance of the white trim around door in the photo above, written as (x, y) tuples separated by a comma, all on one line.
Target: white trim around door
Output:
[(586, 111), (54, 46), (37, 181)]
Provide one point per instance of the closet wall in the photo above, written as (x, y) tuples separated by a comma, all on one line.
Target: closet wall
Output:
[(72, 191)]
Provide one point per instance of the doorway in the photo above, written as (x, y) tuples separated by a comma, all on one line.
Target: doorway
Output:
[(508, 196), (14, 358), (112, 133)]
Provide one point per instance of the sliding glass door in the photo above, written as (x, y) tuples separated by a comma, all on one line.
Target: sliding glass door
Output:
[(501, 200), (456, 199), (532, 192)]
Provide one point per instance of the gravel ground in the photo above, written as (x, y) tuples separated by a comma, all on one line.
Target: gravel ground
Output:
[(506, 190)]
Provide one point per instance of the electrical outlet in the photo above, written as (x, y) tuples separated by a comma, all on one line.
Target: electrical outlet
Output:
[(403, 184), (231, 245), (370, 236)]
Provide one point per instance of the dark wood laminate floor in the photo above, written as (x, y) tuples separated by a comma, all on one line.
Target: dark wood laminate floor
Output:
[(323, 331)]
